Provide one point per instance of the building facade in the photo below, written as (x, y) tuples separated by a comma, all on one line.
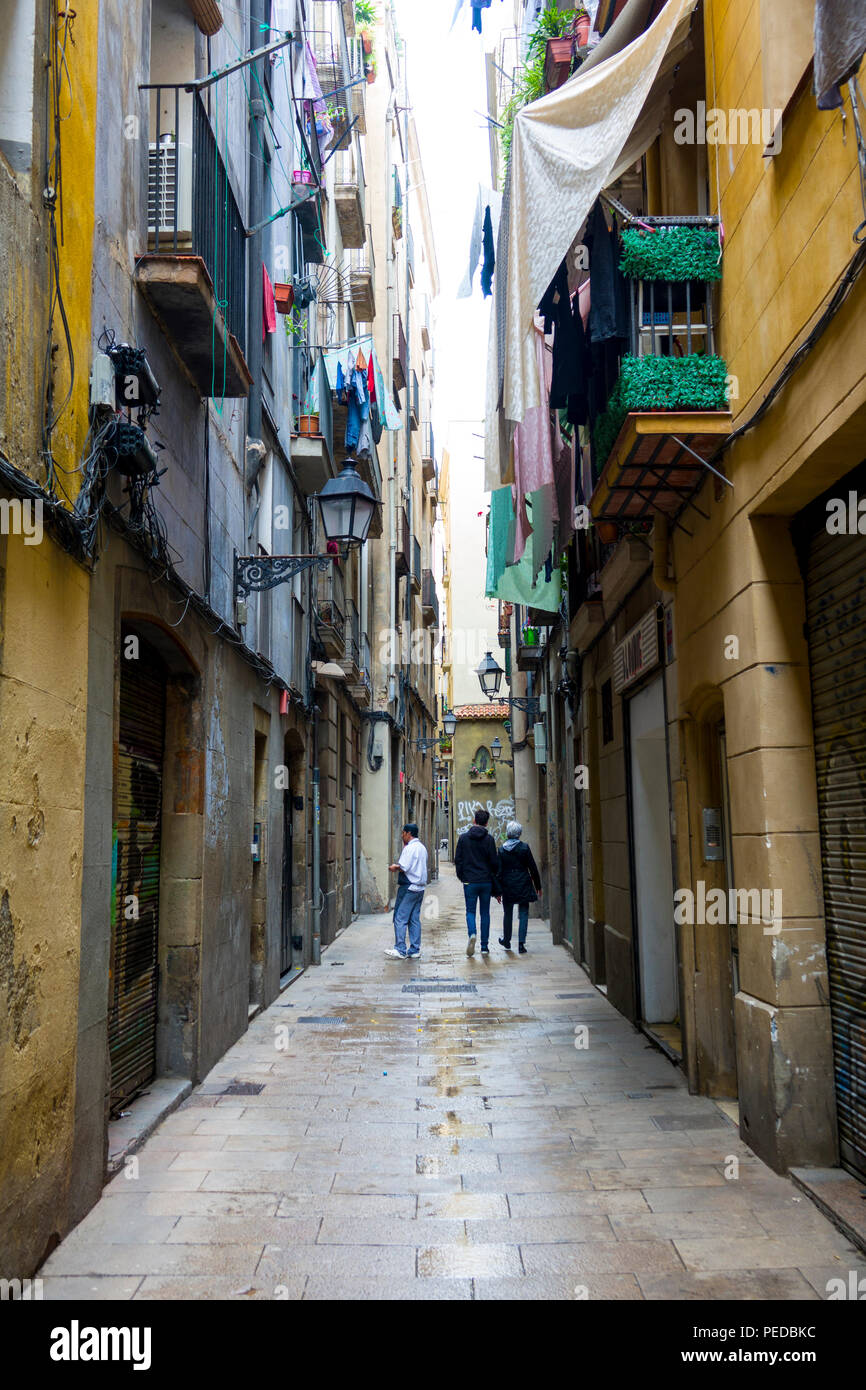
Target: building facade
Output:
[(189, 742), (699, 688)]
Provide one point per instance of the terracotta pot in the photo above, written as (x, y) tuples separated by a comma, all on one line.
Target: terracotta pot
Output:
[(607, 531), (371, 77), (367, 41), (308, 424), (557, 62), (582, 28), (285, 298)]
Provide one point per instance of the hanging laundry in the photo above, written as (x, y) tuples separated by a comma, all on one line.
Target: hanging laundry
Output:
[(487, 200), (533, 454), (371, 381), (477, 7), (269, 315), (340, 388), (608, 314), (361, 361), (313, 94), (358, 409), (489, 263), (570, 364), (376, 426)]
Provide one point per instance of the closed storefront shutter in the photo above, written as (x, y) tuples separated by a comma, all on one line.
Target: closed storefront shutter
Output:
[(836, 607), (137, 817)]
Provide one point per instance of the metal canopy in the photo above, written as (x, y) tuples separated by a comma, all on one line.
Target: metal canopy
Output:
[(658, 462)]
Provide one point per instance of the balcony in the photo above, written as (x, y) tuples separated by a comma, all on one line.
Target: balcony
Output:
[(400, 354), (668, 411), (350, 657), (433, 484), (313, 454), (429, 599), (193, 275), (410, 254), (403, 556), (349, 196), (331, 612), (414, 403), (361, 690), (426, 337), (415, 576), (339, 61), (428, 453), (504, 631), (362, 274)]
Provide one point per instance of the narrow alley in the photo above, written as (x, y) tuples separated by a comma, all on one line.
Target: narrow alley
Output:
[(430, 1129)]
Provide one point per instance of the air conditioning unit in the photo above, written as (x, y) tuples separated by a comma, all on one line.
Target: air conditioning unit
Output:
[(169, 184)]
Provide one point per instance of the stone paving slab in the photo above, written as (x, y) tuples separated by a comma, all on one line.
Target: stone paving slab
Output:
[(447, 1146)]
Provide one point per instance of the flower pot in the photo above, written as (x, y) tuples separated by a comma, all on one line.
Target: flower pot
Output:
[(285, 298), (608, 531), (530, 637), (308, 424), (557, 62), (367, 41), (371, 76), (582, 28), (303, 176)]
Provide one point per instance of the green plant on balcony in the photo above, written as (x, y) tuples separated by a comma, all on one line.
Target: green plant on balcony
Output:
[(671, 253), (694, 382), (529, 85)]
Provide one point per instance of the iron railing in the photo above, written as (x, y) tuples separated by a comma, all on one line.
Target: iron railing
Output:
[(400, 354), (190, 203), (429, 597), (410, 252), (353, 634), (416, 562), (362, 261), (414, 411), (428, 449), (349, 172)]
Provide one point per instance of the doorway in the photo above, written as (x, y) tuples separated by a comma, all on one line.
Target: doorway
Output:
[(132, 1015), (652, 877), (288, 871)]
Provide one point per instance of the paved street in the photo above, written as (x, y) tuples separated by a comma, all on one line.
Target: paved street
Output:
[(439, 1136)]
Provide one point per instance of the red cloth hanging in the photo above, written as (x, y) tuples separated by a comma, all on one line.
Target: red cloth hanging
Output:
[(371, 380), (269, 315)]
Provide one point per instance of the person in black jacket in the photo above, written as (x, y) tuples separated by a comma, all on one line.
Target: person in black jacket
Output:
[(477, 866), (521, 885)]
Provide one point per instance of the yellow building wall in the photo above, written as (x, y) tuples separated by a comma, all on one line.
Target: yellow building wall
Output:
[(43, 687), (788, 223)]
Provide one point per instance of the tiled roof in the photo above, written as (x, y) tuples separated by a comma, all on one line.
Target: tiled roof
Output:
[(486, 711)]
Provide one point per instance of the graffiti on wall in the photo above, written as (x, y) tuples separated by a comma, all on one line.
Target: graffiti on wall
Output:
[(500, 815)]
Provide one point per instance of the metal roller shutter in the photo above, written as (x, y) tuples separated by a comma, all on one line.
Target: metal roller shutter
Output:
[(836, 606), (138, 803)]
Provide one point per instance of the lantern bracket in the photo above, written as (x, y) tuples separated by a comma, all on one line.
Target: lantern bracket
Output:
[(253, 573)]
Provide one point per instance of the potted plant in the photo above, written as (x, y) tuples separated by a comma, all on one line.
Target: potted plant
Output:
[(303, 178), (365, 19), (308, 424), (284, 296), (608, 531), (370, 71), (581, 26)]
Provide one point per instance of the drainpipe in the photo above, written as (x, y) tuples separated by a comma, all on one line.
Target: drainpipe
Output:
[(317, 847), (660, 556), (255, 302)]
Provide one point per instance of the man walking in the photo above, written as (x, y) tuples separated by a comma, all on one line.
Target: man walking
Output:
[(477, 864), (412, 870)]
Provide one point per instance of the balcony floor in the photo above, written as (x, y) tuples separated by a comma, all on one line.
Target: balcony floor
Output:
[(181, 296), (649, 470)]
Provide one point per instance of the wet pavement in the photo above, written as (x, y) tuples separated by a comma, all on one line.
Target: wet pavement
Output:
[(428, 1129)]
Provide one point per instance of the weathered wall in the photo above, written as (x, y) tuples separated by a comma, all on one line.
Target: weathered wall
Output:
[(43, 673), (495, 795)]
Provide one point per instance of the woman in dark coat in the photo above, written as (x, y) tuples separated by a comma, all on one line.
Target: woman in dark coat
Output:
[(520, 882)]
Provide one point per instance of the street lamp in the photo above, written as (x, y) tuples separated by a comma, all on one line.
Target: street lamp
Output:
[(449, 724), (490, 675), (496, 749), (346, 505)]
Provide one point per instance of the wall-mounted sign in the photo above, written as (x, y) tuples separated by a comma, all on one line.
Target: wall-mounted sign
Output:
[(637, 653)]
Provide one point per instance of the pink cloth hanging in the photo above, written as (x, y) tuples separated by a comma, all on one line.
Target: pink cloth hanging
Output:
[(533, 452), (269, 316)]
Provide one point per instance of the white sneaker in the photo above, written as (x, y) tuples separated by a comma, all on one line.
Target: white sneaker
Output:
[(470, 945), (397, 955)]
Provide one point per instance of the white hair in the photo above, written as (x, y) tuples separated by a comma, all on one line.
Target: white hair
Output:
[(514, 830)]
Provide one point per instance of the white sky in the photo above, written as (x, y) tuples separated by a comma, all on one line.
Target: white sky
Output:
[(447, 89)]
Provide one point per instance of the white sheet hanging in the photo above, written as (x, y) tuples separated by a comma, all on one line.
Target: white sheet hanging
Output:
[(565, 149)]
